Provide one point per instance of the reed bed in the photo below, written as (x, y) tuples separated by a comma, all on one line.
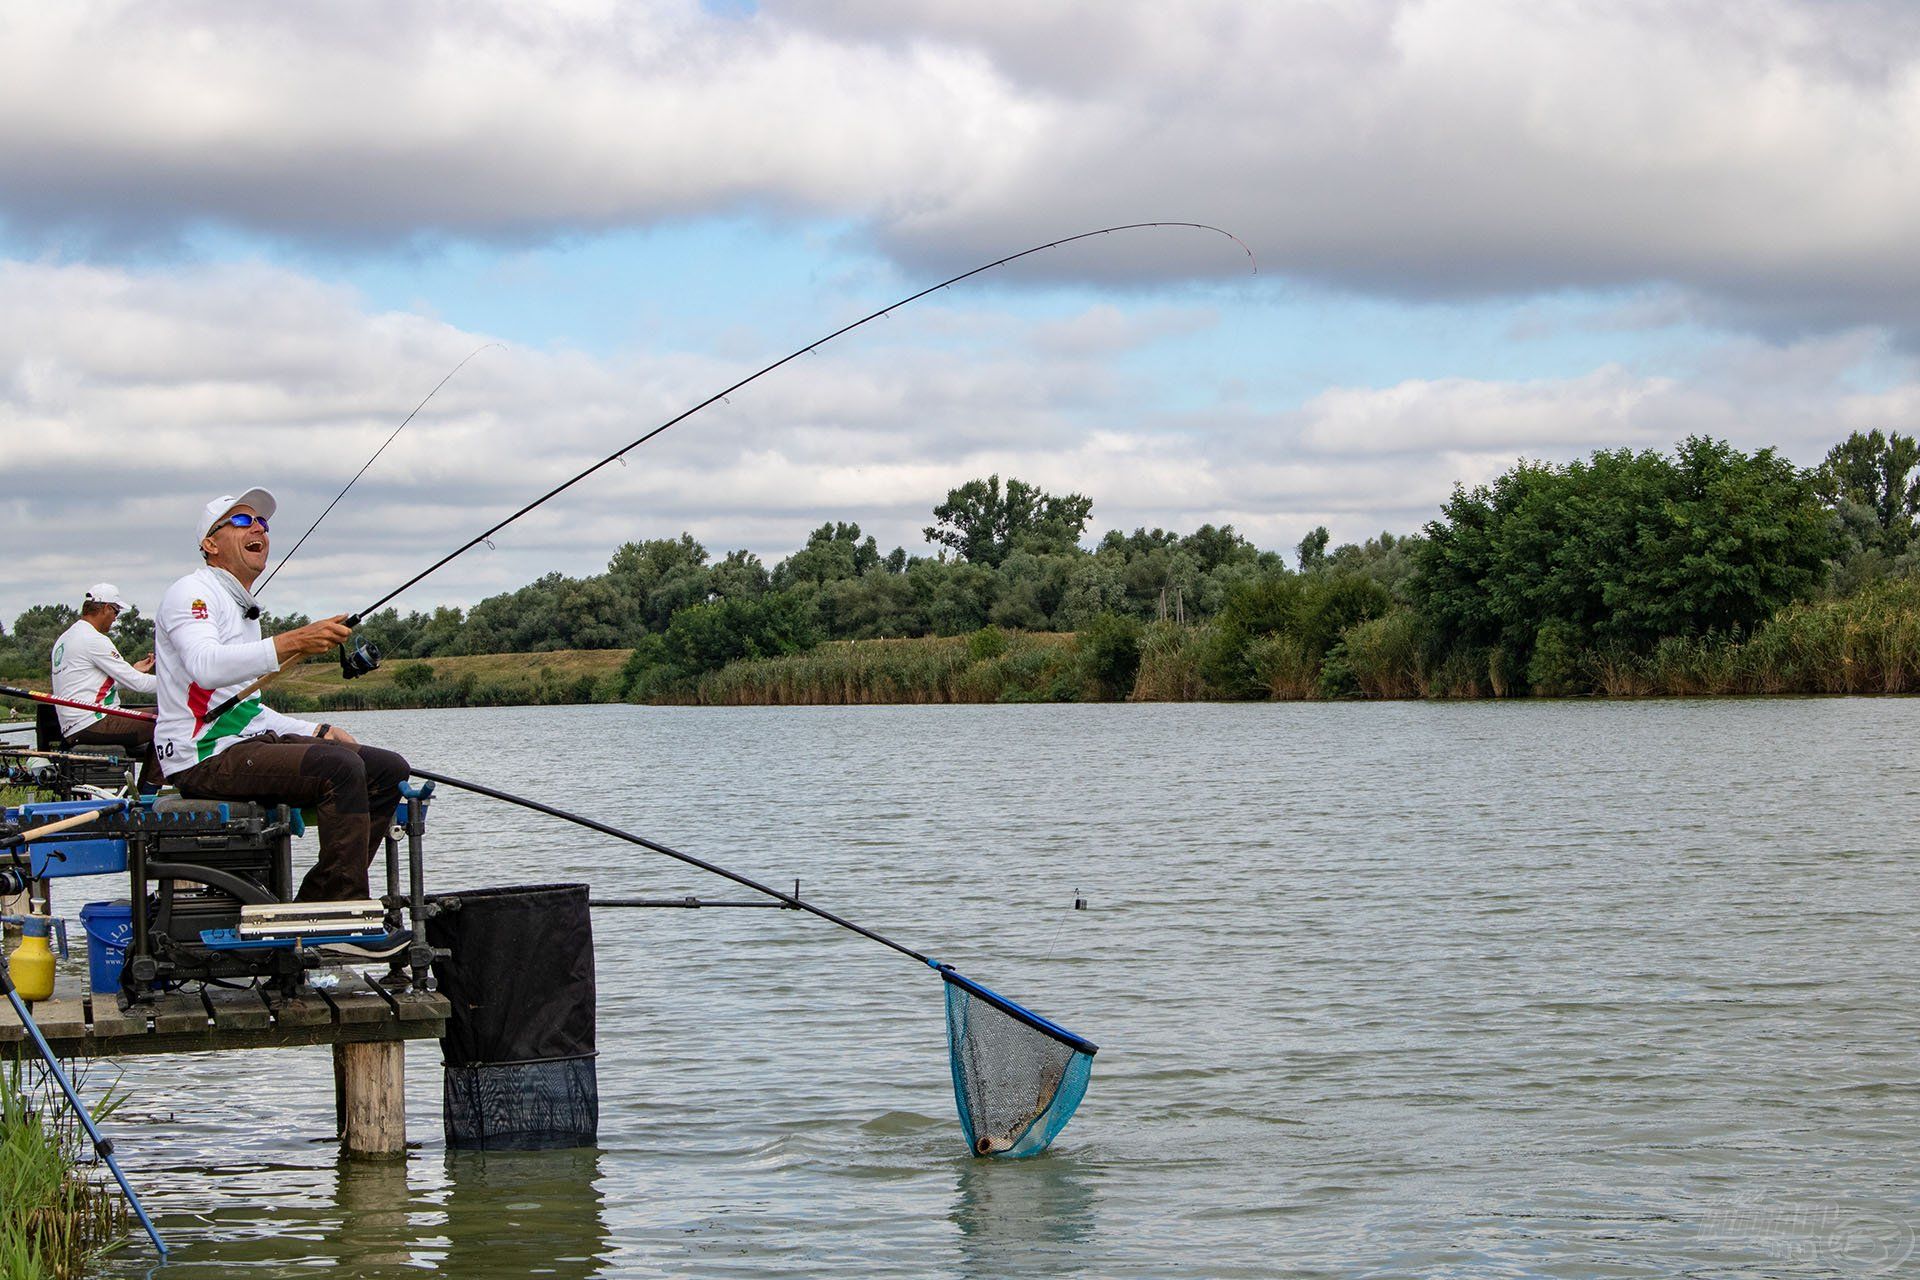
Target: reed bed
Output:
[(1866, 643), (1170, 659), (1015, 667), (1384, 656), (56, 1214)]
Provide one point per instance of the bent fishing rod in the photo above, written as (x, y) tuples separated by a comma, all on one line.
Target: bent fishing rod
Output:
[(353, 619)]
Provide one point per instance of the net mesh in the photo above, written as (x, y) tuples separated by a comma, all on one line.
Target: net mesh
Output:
[(522, 1106), (1016, 1083)]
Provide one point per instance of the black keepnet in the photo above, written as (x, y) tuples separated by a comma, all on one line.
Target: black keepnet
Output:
[(521, 975), (519, 1048)]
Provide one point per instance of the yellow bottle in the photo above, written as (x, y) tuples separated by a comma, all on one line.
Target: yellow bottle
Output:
[(31, 964)]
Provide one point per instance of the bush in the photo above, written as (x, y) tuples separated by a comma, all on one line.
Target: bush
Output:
[(1170, 658), (1557, 667), (1281, 667), (1336, 675), (413, 675), (1110, 654), (1383, 655), (987, 643)]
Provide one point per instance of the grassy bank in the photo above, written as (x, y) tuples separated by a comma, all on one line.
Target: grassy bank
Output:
[(1868, 643), (480, 680), (55, 1213)]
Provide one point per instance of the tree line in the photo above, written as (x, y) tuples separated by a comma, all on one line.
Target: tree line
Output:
[(1555, 578)]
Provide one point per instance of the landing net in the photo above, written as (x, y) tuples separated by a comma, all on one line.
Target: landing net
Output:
[(1017, 1077)]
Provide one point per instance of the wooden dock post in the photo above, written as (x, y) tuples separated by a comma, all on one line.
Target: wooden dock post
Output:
[(373, 1077)]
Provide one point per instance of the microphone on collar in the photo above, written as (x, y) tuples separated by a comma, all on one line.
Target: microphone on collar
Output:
[(253, 611)]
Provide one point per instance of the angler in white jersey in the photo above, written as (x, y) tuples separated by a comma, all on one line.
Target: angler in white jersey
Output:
[(87, 667), (208, 646)]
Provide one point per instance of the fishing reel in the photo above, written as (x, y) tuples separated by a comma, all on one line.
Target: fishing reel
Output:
[(357, 661), (14, 867)]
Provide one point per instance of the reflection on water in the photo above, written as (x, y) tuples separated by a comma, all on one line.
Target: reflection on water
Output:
[(1539, 989), (1027, 1217), (529, 1213)]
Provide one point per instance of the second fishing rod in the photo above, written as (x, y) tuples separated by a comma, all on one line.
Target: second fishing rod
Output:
[(358, 659)]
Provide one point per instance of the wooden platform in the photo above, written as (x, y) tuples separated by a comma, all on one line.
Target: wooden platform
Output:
[(79, 1025)]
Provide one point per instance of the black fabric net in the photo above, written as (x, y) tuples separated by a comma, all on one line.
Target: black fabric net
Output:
[(519, 1049)]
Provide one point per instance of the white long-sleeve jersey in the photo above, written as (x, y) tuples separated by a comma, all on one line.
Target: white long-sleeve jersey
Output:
[(87, 668), (206, 650)]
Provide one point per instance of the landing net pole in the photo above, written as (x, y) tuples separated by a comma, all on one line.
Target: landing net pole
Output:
[(785, 899), (101, 1146)]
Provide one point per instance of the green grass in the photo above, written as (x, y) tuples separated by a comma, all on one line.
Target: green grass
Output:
[(1867, 643), (479, 680), (989, 666), (56, 1214)]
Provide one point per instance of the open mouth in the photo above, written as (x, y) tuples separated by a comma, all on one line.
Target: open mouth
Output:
[(253, 546)]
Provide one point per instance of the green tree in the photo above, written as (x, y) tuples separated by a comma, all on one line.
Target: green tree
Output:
[(1874, 471), (659, 577), (740, 576), (1620, 550), (40, 625), (982, 524), (706, 637), (1110, 653), (834, 551), (1313, 549), (132, 632)]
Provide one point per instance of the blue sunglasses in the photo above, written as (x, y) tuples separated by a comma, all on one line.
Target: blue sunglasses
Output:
[(241, 520)]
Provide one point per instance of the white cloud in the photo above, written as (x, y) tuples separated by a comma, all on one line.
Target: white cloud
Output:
[(1759, 155), (1608, 407), (129, 397)]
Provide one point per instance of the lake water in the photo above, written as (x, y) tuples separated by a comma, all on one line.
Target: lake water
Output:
[(1520, 989)]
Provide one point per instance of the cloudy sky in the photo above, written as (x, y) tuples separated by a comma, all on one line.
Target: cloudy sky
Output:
[(239, 242)]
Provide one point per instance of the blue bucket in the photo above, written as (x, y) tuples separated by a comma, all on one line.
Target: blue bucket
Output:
[(109, 928)]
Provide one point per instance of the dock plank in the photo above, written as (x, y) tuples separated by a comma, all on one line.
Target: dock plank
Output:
[(351, 1007), (176, 1014), (61, 1019), (237, 1010), (111, 1022), (301, 1011), (422, 1006), (223, 1019)]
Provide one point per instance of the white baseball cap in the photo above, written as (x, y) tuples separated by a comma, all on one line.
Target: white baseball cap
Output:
[(214, 512), (106, 593)]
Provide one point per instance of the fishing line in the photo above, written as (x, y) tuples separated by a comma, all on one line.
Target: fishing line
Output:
[(354, 619), (370, 461), (1079, 904)]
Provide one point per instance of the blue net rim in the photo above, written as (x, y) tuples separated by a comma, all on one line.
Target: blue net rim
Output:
[(1013, 1010)]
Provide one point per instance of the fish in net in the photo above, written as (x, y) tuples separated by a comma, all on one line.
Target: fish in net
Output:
[(1017, 1077)]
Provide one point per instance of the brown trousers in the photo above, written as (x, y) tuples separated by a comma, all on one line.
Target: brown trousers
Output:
[(133, 736), (356, 790)]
